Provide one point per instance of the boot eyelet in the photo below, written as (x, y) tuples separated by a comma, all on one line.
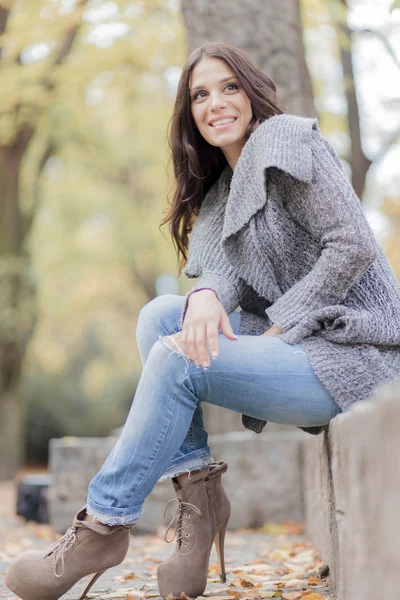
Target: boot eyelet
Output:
[(186, 544)]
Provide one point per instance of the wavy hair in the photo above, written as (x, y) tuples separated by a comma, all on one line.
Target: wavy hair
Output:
[(197, 165)]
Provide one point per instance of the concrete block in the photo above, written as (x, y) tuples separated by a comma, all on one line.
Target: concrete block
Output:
[(370, 485), (318, 494), (263, 481), (352, 497), (264, 477)]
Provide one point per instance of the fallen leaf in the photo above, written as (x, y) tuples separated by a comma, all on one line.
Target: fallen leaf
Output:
[(314, 580), (295, 574), (286, 528), (252, 594), (295, 583), (313, 596), (291, 595), (246, 583)]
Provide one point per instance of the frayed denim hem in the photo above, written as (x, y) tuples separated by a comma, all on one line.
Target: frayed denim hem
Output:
[(197, 464), (113, 520)]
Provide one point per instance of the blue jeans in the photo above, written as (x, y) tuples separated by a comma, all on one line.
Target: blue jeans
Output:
[(164, 434)]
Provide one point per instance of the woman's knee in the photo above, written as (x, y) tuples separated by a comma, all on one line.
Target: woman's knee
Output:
[(159, 316)]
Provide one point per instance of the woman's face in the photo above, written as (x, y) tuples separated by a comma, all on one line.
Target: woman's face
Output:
[(215, 95)]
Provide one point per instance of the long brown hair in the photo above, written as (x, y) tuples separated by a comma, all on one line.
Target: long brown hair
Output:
[(197, 164)]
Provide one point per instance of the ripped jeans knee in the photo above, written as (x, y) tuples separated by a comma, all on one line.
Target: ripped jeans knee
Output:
[(169, 342)]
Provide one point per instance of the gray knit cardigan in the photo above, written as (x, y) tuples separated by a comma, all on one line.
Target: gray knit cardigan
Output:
[(284, 238)]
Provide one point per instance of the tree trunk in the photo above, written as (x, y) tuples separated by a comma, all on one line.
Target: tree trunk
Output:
[(269, 32), (14, 228), (12, 339), (11, 433), (358, 161)]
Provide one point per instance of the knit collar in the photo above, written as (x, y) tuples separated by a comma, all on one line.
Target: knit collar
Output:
[(283, 141)]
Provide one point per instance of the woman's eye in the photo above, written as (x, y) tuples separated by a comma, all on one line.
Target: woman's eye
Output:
[(196, 95)]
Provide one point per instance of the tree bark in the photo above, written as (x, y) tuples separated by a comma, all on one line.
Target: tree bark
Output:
[(269, 32), (358, 161), (11, 349)]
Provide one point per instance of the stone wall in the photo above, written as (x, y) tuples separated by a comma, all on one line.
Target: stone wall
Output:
[(263, 481), (352, 497)]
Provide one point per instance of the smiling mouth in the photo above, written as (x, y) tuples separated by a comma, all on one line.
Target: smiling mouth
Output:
[(222, 123)]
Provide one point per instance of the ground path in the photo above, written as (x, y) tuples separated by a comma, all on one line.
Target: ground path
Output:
[(274, 562)]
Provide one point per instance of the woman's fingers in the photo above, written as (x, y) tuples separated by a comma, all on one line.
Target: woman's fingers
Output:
[(190, 350), (201, 346), (212, 338), (198, 338), (226, 327), (194, 343)]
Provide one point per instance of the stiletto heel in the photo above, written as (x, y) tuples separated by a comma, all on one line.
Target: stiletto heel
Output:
[(219, 541), (90, 584)]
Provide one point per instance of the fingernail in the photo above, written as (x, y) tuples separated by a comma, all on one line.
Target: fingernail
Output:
[(214, 354), (205, 365), (235, 336)]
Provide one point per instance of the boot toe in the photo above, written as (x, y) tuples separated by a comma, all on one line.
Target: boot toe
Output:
[(173, 580), (21, 577)]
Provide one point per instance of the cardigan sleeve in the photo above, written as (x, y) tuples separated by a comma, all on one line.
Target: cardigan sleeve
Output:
[(329, 209)]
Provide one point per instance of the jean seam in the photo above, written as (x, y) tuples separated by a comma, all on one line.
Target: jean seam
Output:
[(146, 470), (196, 375), (151, 463)]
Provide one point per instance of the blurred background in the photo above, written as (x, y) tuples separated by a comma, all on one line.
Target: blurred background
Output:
[(86, 93)]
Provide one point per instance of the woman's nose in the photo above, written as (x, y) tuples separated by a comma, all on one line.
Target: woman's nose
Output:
[(217, 101)]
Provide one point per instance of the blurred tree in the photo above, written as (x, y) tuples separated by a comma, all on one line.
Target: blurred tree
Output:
[(357, 159), (23, 104), (53, 56), (270, 32), (346, 38)]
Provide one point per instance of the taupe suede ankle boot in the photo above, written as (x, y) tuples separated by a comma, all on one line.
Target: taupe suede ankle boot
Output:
[(202, 517), (86, 548)]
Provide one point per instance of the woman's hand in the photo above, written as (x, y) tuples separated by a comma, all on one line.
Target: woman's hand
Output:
[(204, 316), (274, 330)]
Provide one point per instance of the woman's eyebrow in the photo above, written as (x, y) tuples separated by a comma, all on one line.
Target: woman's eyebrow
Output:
[(198, 87)]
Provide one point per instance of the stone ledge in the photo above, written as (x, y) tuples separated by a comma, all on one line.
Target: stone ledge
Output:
[(352, 497), (263, 481)]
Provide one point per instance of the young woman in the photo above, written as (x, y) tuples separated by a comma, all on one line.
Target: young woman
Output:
[(275, 229)]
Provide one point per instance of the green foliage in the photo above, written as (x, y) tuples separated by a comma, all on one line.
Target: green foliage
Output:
[(94, 177), (395, 4)]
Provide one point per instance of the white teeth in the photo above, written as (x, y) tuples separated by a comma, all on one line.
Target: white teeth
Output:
[(221, 121)]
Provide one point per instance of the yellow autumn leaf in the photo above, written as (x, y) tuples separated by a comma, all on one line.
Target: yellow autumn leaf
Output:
[(314, 580)]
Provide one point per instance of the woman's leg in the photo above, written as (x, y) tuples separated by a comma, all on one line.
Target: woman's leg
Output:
[(260, 376), (159, 318)]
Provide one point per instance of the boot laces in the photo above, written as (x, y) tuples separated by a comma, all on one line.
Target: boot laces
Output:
[(59, 548), (178, 516)]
